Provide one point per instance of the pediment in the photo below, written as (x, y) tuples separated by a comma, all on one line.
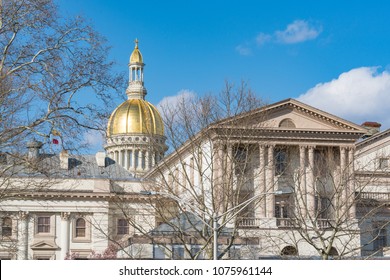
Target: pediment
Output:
[(44, 245), (291, 114)]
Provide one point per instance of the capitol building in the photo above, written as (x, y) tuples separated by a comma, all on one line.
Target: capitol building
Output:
[(285, 180)]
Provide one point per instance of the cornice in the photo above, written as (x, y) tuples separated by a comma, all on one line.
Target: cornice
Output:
[(78, 196)]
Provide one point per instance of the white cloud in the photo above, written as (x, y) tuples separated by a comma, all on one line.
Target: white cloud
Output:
[(173, 100), (94, 140), (296, 32), (243, 50), (361, 94), (168, 104), (263, 38)]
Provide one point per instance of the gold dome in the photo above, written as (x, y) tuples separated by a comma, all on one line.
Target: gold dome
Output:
[(136, 56), (135, 116)]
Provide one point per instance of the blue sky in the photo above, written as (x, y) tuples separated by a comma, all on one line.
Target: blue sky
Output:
[(334, 55)]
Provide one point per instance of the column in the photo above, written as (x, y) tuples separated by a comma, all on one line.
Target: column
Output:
[(342, 188), (120, 158), (64, 237), (126, 159), (134, 164), (143, 160), (270, 172), (351, 184), (23, 235), (260, 209), (147, 154), (310, 184), (217, 172), (301, 183)]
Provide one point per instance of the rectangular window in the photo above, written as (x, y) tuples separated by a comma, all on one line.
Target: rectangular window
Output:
[(196, 253), (380, 235), (122, 227), (43, 225), (280, 161), (177, 252), (158, 252)]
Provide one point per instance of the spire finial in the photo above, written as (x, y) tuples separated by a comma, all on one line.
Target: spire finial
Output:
[(136, 43)]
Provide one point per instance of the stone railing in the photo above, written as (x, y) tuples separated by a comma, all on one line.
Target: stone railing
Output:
[(378, 196), (324, 223), (249, 222), (285, 222), (281, 223)]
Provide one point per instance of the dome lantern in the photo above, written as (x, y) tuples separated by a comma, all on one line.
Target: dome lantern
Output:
[(136, 87), (135, 130)]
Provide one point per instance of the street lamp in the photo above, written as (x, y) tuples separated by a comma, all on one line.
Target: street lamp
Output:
[(216, 217)]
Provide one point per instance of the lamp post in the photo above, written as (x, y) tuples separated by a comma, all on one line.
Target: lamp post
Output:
[(215, 216)]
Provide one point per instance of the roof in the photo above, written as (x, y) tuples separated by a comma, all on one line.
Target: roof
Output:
[(79, 166)]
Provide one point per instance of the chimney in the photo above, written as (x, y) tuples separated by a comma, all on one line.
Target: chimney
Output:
[(64, 160), (101, 159), (33, 149), (372, 128)]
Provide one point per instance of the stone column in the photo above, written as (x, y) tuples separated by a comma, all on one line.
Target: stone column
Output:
[(121, 158), (351, 184), (260, 209), (134, 159), (217, 174), (147, 154), (270, 172), (301, 183), (126, 160), (65, 236), (23, 235), (342, 189), (310, 185), (229, 166)]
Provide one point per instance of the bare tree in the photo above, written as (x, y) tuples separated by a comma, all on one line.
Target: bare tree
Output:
[(204, 177), (50, 68)]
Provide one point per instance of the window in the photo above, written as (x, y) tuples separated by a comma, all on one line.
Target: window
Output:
[(80, 227), (287, 123), (289, 251), (241, 159), (383, 163), (158, 252), (380, 235), (177, 252), (43, 224), (122, 227), (196, 252), (281, 210), (324, 207), (280, 161), (6, 227)]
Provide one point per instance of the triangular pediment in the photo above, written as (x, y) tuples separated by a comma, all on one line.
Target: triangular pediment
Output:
[(291, 114), (44, 245)]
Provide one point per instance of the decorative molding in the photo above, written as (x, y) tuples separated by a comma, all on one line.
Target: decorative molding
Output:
[(65, 216), (23, 215)]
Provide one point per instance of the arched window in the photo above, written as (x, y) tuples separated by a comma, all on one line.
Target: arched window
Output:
[(288, 123), (80, 227), (289, 251), (6, 227)]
